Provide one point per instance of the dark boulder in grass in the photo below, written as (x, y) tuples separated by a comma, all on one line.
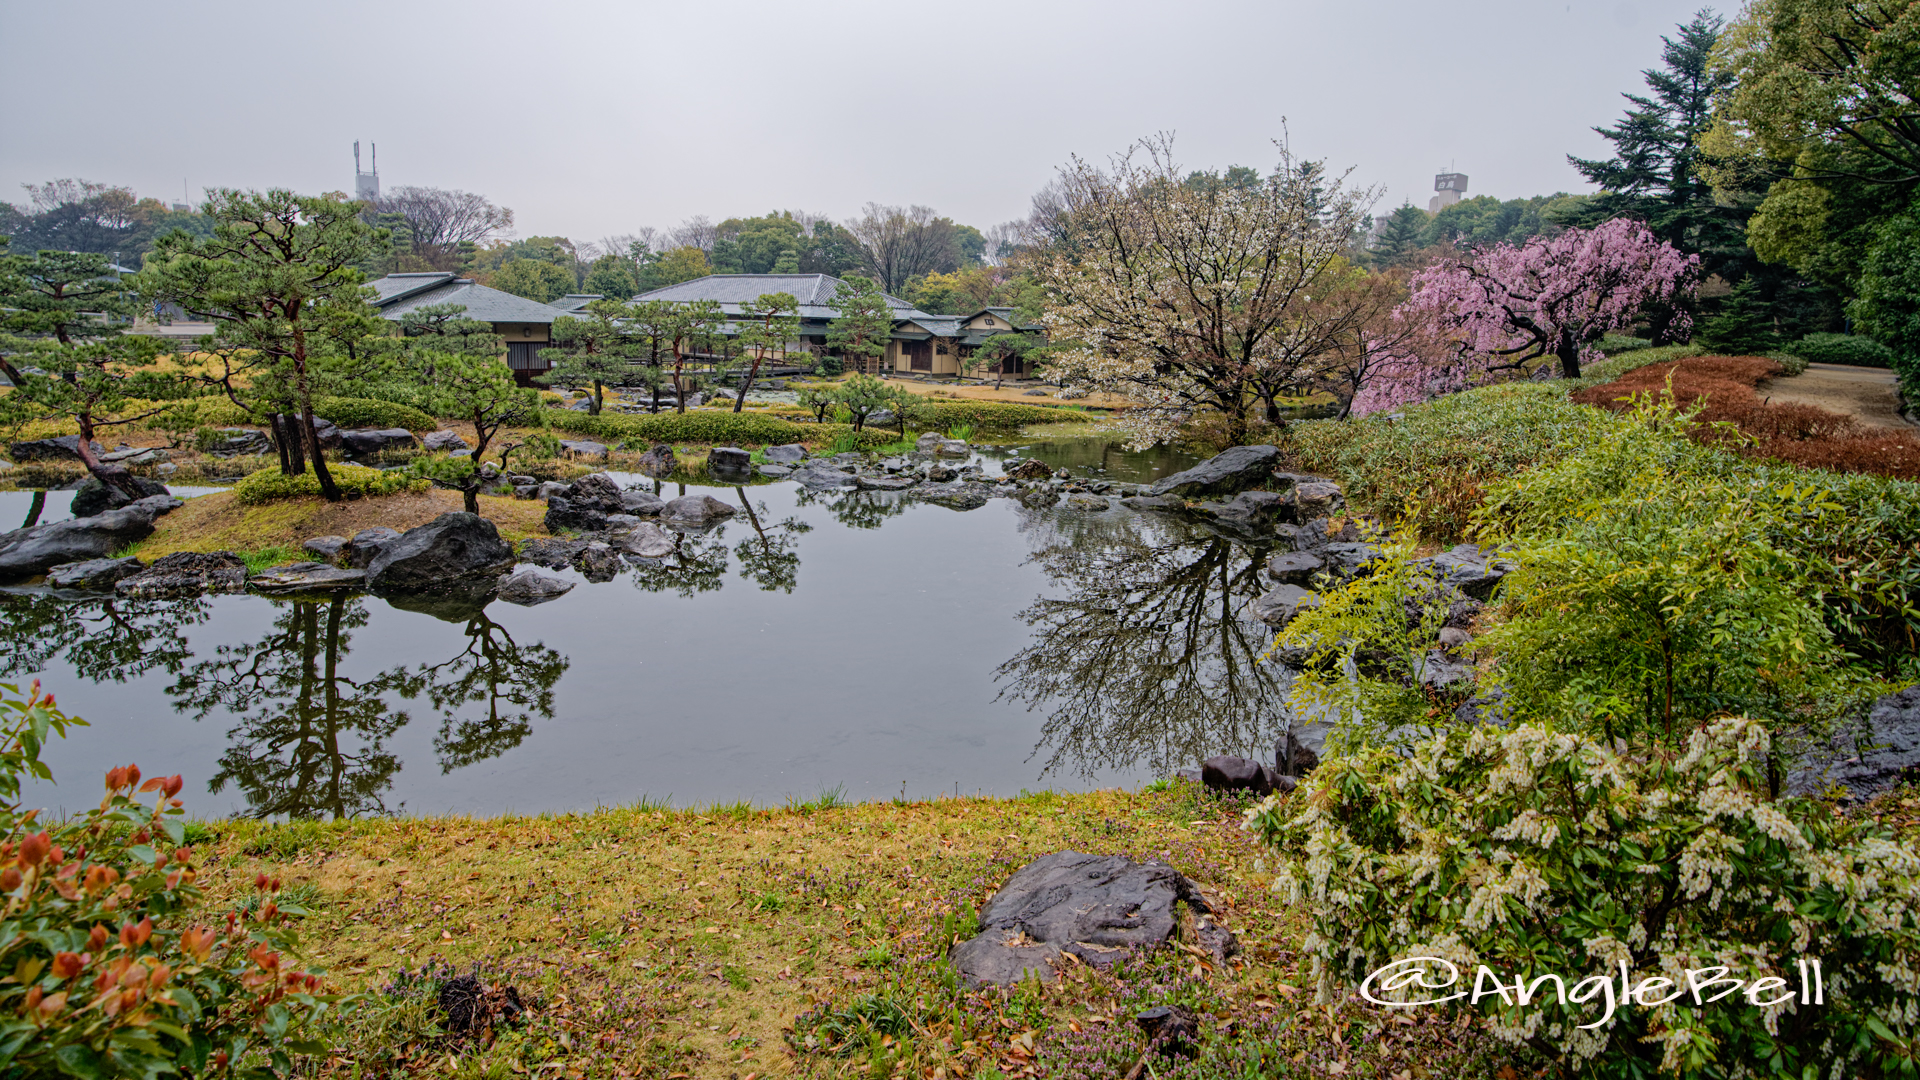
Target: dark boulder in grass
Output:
[(658, 462), (1227, 473), (1871, 755), (1100, 908), (327, 549), (597, 491), (186, 573), (95, 497), (729, 462), (452, 548), (25, 553), (240, 441), (368, 543), (565, 515), (551, 552), (368, 442), (786, 455)]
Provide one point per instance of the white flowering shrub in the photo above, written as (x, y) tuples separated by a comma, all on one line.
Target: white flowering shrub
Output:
[(1537, 852)]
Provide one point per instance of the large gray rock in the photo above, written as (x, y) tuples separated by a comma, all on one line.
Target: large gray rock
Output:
[(186, 573), (1346, 561), (597, 491), (63, 448), (1086, 502), (96, 574), (366, 442), (327, 549), (551, 552), (1249, 511), (697, 511), (785, 455), (1100, 908), (1294, 567), (565, 515), (658, 462), (451, 548), (95, 497), (928, 442), (598, 561), (818, 475), (729, 462), (1227, 473), (1468, 569), (1869, 756), (953, 448), (1318, 499), (530, 587), (585, 448), (884, 483), (240, 441), (1162, 503), (360, 551), (647, 540), (25, 553), (307, 577), (444, 440), (641, 503), (962, 496), (1229, 773), (1282, 604)]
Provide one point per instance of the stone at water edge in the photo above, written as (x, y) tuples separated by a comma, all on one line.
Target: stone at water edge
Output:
[(552, 552), (306, 577), (1294, 567), (1281, 604), (648, 540), (775, 472), (658, 462), (884, 483), (366, 544), (1030, 469), (93, 573), (564, 515), (598, 561), (597, 491), (928, 441), (451, 547), (953, 448), (641, 503), (1161, 503), (697, 511), (529, 587), (1225, 772), (785, 455), (95, 497), (729, 461), (27, 552), (186, 573), (1093, 503), (961, 496), (1100, 908), (1227, 473), (1317, 500)]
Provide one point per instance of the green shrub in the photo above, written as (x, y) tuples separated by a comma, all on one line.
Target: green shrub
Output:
[(1428, 469), (1615, 344), (717, 428), (1615, 366), (1538, 852), (110, 975), (1843, 349), (370, 413), (354, 481)]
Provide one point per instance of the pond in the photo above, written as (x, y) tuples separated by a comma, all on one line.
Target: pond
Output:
[(857, 642)]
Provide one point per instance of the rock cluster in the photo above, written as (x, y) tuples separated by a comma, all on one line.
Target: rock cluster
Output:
[(25, 553), (1870, 755)]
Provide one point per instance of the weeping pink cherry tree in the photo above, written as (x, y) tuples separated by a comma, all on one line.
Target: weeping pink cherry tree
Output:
[(1503, 307)]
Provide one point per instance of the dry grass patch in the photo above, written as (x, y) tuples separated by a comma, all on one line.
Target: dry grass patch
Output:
[(809, 941)]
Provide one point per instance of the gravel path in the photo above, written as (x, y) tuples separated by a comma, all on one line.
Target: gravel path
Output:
[(1869, 395)]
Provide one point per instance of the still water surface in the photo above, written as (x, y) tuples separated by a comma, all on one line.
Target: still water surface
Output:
[(858, 641)]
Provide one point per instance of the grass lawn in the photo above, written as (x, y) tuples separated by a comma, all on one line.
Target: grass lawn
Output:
[(739, 942)]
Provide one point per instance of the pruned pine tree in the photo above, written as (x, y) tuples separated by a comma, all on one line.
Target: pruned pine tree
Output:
[(772, 322), (592, 351)]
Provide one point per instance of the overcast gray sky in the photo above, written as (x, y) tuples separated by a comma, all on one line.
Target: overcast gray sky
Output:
[(594, 118)]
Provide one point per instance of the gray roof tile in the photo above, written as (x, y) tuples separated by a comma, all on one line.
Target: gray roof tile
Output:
[(401, 293)]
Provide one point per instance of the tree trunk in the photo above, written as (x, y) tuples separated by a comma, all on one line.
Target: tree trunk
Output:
[(740, 399), (328, 489), (274, 421), (113, 474), (1569, 354), (599, 398), (471, 495), (39, 505), (1237, 425)]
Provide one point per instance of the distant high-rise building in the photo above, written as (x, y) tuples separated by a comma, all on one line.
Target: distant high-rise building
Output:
[(1449, 186), (366, 185)]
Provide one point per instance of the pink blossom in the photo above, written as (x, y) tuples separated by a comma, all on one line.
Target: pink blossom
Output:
[(1505, 306)]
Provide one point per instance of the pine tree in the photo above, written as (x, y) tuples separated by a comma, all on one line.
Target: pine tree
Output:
[(1654, 175), (865, 323), (597, 350), (1399, 236)]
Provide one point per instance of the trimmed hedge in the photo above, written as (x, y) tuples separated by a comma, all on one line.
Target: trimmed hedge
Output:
[(367, 413), (354, 481), (1001, 416), (717, 428), (1850, 349)]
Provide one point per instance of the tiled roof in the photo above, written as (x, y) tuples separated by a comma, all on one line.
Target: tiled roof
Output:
[(814, 291), (401, 293)]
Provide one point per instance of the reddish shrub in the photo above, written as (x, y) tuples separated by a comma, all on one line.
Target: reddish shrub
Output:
[(1800, 434)]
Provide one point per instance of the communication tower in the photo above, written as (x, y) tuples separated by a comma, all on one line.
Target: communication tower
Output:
[(366, 185)]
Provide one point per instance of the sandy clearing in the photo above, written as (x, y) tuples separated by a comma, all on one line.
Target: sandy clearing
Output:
[(1869, 395)]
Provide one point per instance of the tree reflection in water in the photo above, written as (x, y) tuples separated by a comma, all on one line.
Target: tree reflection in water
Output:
[(767, 558), (310, 741), (855, 509), (103, 638), (1148, 657)]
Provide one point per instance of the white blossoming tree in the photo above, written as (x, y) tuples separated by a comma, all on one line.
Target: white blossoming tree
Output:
[(1189, 294)]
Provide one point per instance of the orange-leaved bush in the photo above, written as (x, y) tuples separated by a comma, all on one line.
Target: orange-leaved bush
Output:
[(111, 972)]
